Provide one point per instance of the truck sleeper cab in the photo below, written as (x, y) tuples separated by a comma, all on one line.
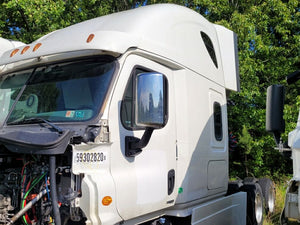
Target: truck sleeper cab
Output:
[(124, 124)]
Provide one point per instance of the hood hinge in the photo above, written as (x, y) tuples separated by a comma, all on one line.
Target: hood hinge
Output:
[(104, 135)]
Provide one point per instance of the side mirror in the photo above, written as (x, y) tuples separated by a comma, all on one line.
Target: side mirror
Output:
[(274, 111), (150, 109)]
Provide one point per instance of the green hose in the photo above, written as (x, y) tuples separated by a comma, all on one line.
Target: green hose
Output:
[(34, 183)]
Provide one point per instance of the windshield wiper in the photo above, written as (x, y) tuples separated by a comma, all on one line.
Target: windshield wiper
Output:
[(37, 120)]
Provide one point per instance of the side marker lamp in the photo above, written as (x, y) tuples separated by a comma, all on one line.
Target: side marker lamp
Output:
[(90, 38), (25, 49), (14, 52), (106, 201), (36, 47)]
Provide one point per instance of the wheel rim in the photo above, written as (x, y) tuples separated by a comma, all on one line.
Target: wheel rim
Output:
[(258, 208), (271, 200)]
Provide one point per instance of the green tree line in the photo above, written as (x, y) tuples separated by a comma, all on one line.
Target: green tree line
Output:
[(269, 48)]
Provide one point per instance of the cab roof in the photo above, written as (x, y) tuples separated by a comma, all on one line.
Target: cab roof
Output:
[(170, 31)]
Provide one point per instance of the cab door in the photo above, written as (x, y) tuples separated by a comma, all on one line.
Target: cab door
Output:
[(145, 182)]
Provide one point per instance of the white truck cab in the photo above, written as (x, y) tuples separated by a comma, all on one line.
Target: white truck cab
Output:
[(8, 44), (120, 119), (276, 124)]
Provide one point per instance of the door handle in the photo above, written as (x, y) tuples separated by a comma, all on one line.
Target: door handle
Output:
[(171, 181)]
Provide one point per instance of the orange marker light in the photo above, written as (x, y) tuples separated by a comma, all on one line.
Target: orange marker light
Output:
[(25, 49), (36, 47), (90, 38), (106, 201), (14, 52)]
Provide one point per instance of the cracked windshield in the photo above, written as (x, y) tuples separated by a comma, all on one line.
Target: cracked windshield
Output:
[(61, 92)]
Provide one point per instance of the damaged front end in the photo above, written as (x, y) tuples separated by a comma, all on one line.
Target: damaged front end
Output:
[(48, 113)]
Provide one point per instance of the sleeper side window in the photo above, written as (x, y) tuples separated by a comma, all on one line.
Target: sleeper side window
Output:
[(218, 121), (209, 47)]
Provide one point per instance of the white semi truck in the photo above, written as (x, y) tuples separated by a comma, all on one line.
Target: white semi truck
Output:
[(5, 45), (276, 124), (122, 119), (8, 44)]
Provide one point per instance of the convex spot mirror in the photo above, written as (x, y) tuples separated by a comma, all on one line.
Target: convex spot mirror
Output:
[(151, 100)]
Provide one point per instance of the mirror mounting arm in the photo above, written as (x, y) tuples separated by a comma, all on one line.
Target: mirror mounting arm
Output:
[(133, 145), (277, 137)]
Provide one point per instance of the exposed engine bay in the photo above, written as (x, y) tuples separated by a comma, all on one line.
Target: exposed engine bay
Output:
[(26, 189), (44, 110)]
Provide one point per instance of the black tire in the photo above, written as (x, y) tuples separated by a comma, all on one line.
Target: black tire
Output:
[(250, 180), (180, 220), (254, 203), (234, 187), (269, 193)]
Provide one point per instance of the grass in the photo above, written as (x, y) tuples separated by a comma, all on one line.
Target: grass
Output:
[(274, 219)]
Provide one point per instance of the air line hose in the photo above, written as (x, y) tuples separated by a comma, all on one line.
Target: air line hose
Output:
[(53, 192)]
